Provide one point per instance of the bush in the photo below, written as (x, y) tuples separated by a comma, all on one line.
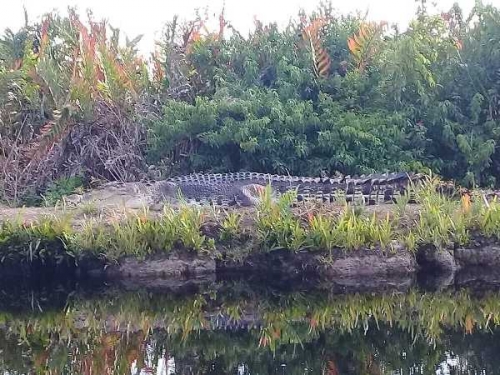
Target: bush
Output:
[(362, 101), (328, 93)]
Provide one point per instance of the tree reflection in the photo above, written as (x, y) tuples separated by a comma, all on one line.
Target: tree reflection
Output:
[(250, 332)]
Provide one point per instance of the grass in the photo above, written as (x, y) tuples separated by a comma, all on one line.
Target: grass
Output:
[(140, 235), (350, 231), (89, 208), (230, 226), (276, 225), (61, 187), (441, 221), (47, 239), (489, 223)]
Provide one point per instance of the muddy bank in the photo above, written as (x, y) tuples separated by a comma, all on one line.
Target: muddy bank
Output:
[(354, 270), (335, 264), (364, 271), (349, 270), (176, 265), (481, 252)]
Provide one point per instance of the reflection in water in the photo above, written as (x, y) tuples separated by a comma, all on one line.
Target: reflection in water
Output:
[(232, 328)]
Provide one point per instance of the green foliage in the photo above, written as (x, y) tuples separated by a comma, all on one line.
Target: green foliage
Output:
[(64, 84), (231, 226), (489, 223), (443, 221), (141, 235), (322, 232), (405, 101), (327, 93), (259, 131), (44, 241), (350, 231), (57, 189), (276, 224), (187, 224)]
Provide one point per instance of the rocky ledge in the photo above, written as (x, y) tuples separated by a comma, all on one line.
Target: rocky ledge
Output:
[(364, 266)]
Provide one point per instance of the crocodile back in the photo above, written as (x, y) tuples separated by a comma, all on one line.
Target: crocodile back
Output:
[(228, 187)]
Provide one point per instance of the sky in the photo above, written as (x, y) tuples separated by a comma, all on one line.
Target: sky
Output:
[(147, 17)]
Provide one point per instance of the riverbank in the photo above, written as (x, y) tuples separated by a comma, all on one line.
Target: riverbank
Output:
[(330, 241)]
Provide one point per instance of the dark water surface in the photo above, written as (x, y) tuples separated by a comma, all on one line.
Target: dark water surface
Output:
[(242, 327)]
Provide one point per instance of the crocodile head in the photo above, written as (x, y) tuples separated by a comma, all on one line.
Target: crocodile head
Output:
[(166, 191), (253, 193)]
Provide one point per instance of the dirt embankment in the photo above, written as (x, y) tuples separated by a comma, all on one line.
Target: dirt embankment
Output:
[(357, 267), (355, 270)]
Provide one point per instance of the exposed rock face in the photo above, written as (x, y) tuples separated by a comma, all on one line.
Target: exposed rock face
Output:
[(356, 270), (162, 267), (487, 255), (371, 265), (440, 260), (362, 263)]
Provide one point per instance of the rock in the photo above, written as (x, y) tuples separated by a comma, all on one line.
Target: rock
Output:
[(162, 267), (361, 263), (432, 259), (369, 265), (73, 199), (487, 255)]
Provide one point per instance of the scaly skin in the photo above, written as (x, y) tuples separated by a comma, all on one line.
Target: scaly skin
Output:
[(225, 194), (242, 188)]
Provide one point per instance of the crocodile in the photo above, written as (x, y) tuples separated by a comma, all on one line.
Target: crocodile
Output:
[(245, 189)]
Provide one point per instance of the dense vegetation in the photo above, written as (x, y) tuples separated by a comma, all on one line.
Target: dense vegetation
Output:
[(328, 93)]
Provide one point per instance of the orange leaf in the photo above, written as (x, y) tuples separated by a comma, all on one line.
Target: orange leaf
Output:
[(321, 59), (277, 333), (469, 324), (332, 368), (44, 35), (263, 341), (351, 43), (465, 201), (310, 217)]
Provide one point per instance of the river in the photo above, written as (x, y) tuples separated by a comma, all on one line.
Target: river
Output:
[(236, 326)]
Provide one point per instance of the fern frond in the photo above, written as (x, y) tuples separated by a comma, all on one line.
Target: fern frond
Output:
[(321, 59), (50, 134), (363, 45)]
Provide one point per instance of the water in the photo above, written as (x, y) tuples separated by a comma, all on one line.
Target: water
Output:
[(241, 327)]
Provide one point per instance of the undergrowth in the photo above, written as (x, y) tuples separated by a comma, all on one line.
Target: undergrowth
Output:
[(62, 187), (140, 235), (46, 240)]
